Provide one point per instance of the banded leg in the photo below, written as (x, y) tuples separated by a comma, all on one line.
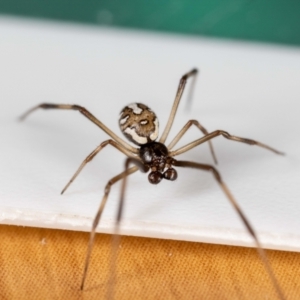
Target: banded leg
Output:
[(184, 130), (87, 114), (225, 189), (93, 154), (191, 92), (179, 92), (98, 216), (116, 237), (225, 135)]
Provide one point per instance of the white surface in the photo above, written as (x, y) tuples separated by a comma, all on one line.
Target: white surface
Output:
[(249, 90)]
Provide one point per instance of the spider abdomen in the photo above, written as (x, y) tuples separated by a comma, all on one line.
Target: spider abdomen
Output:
[(139, 123)]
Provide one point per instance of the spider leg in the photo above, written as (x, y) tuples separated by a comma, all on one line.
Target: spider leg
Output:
[(191, 92), (225, 135), (230, 197), (179, 92), (184, 130), (98, 216), (93, 154), (86, 113), (116, 237)]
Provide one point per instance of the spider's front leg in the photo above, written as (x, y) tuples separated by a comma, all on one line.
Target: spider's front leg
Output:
[(235, 205), (98, 216), (184, 130), (123, 175), (93, 154), (116, 237)]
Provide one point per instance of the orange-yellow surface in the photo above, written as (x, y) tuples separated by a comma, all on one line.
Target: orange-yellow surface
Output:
[(47, 264)]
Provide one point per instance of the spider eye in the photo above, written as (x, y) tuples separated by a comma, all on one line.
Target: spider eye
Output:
[(139, 123)]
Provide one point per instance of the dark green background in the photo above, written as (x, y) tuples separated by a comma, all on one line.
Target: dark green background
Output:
[(261, 20)]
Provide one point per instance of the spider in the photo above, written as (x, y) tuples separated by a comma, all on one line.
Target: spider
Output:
[(140, 126)]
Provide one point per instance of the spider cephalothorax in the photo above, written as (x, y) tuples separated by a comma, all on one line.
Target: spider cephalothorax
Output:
[(140, 125), (156, 157)]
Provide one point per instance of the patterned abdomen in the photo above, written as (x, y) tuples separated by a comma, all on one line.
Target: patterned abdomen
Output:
[(139, 123)]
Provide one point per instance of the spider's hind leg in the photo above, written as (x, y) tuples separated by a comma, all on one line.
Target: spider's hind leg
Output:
[(185, 129), (179, 93), (93, 154), (84, 112)]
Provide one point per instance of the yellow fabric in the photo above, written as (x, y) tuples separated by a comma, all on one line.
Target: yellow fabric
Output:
[(48, 264)]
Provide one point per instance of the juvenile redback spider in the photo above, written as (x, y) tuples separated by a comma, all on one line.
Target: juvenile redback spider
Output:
[(140, 126)]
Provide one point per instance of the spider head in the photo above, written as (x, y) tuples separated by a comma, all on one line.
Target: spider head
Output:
[(139, 123), (156, 156)]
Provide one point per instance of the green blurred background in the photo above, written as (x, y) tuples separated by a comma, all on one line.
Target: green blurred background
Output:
[(276, 21)]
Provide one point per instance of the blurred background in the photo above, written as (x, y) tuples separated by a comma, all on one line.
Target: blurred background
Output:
[(275, 21)]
